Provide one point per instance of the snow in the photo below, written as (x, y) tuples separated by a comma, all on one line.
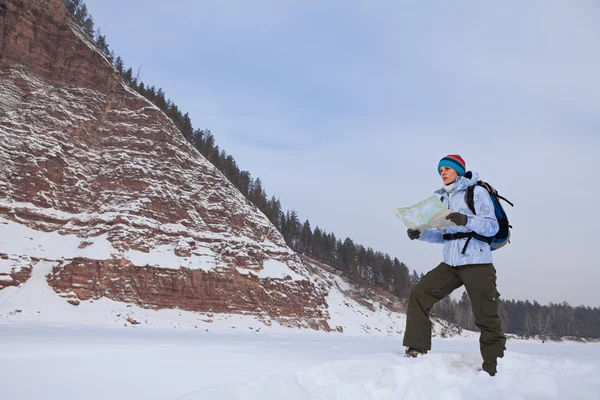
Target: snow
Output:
[(362, 319), (6, 266), (20, 239), (73, 362), (274, 269)]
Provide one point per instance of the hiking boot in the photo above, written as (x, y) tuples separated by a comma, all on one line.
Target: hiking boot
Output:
[(414, 353), (489, 367)]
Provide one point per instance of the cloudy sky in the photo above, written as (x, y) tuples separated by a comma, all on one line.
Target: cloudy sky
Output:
[(344, 108)]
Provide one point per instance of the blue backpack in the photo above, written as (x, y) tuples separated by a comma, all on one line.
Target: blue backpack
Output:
[(503, 236)]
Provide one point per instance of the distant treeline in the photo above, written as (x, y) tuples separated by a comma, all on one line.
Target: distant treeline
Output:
[(357, 262), (527, 319)]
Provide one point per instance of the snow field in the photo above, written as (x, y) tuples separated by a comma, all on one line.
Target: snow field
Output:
[(73, 362)]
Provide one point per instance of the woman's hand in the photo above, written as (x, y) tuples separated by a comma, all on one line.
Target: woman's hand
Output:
[(413, 234), (458, 218)]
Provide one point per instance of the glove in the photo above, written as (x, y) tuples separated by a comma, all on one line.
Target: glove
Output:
[(413, 234), (458, 218)]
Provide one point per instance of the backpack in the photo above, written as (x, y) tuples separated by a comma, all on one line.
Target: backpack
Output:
[(503, 236)]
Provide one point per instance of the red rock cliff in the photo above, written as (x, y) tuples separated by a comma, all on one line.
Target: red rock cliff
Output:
[(85, 156)]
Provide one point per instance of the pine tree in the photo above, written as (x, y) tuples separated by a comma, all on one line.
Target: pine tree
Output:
[(387, 272), (187, 131), (361, 261), (293, 229), (72, 6), (127, 76), (151, 94), (414, 278), (369, 265), (330, 250), (244, 184), (348, 259), (399, 279), (119, 65), (81, 14), (317, 243), (100, 41), (465, 316), (160, 101), (256, 191), (88, 27), (209, 147), (306, 238)]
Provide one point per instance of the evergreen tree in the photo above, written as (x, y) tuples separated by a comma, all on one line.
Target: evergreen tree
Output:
[(414, 279), (209, 147), (81, 14), (256, 192), (348, 257), (88, 27), (161, 102), (305, 244), (127, 76), (465, 317), (331, 249), (187, 131), (72, 6), (387, 272), (101, 43), (151, 95), (369, 265), (293, 229), (361, 262), (317, 243), (119, 65), (401, 284)]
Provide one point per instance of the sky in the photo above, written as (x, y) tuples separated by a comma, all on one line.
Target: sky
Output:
[(344, 108)]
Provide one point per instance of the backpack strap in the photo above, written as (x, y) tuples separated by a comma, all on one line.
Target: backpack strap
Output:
[(461, 235), (469, 198), (511, 204), (465, 235)]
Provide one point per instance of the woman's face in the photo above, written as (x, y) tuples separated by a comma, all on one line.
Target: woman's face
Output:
[(448, 175)]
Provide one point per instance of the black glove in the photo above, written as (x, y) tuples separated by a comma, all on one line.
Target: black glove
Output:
[(458, 218), (413, 234)]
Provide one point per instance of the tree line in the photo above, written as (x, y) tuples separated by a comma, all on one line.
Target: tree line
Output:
[(358, 263), (527, 319)]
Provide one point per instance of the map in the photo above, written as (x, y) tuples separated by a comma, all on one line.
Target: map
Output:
[(427, 214)]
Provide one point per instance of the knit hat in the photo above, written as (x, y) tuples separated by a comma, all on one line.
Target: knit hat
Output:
[(455, 162)]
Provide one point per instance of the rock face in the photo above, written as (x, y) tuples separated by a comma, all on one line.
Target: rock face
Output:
[(187, 289), (13, 276), (84, 156)]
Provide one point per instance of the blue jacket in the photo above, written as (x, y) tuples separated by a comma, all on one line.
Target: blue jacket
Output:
[(484, 223)]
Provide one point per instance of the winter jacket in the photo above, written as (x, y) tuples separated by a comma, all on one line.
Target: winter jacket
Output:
[(484, 223)]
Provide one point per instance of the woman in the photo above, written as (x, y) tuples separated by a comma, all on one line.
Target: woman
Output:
[(467, 261)]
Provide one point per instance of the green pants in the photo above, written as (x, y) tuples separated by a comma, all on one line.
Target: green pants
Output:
[(480, 283)]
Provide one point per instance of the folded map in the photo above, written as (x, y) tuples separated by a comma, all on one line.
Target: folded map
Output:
[(427, 214)]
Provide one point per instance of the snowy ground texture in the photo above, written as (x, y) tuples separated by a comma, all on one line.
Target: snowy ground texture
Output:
[(75, 362)]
